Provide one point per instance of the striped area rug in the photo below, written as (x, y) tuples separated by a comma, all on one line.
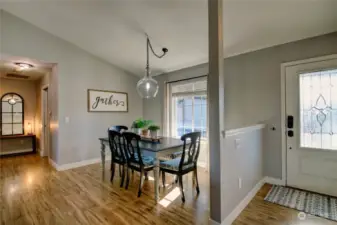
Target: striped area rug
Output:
[(310, 203)]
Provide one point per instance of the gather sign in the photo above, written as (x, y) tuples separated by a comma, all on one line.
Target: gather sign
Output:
[(107, 101)]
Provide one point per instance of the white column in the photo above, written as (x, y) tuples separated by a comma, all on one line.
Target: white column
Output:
[(216, 106)]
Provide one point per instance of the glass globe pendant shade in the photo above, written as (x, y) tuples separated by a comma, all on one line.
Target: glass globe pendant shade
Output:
[(147, 87)]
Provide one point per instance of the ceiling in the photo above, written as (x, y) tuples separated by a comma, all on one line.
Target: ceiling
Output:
[(7, 66), (114, 30)]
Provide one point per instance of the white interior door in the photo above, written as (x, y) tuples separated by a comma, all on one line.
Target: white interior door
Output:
[(311, 106)]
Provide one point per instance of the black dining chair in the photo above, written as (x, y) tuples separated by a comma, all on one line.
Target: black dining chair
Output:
[(186, 163), (119, 128), (135, 160), (117, 154)]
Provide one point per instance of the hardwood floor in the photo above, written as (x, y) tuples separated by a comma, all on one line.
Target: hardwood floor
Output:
[(260, 212), (34, 193), (31, 192)]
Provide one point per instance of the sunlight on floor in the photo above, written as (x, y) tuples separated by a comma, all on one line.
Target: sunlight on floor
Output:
[(170, 197)]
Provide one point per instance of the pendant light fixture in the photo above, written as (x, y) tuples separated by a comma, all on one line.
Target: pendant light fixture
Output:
[(147, 87)]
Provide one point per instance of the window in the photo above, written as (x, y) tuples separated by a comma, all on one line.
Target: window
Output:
[(318, 109), (12, 114), (190, 115), (188, 111)]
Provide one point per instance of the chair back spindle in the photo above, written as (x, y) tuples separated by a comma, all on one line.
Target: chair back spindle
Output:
[(116, 146), (132, 150), (191, 151)]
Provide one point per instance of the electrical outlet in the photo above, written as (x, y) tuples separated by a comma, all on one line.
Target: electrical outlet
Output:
[(237, 143), (240, 183)]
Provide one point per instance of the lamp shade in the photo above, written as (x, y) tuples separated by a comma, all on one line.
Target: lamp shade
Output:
[(147, 87)]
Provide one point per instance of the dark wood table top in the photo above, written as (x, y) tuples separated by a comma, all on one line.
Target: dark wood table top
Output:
[(164, 144), (16, 136)]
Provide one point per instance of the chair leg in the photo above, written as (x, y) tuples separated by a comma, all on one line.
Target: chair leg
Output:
[(140, 183), (123, 175), (127, 178), (163, 178), (176, 178), (180, 177), (120, 170), (146, 176), (112, 171), (196, 179)]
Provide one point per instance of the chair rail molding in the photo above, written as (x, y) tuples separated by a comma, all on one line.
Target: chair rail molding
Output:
[(242, 130)]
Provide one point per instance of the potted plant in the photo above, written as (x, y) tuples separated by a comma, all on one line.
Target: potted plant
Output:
[(140, 126), (153, 130)]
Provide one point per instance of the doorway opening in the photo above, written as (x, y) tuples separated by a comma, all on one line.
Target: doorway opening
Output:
[(25, 121)]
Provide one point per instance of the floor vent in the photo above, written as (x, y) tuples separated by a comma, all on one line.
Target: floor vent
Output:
[(18, 76)]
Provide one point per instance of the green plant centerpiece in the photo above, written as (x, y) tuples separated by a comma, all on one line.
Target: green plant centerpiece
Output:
[(141, 126), (154, 130)]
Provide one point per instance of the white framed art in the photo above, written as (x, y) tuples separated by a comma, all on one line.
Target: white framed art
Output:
[(107, 101)]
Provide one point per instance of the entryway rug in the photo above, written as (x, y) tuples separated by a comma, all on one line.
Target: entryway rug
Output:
[(304, 201)]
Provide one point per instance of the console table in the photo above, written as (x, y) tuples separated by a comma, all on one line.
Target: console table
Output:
[(17, 144)]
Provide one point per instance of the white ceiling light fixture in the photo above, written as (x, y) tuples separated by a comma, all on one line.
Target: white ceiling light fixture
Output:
[(24, 66), (148, 87)]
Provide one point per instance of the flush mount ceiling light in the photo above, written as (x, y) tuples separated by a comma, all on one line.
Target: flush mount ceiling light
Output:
[(24, 66), (148, 87)]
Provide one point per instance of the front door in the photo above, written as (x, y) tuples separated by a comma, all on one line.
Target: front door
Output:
[(311, 114)]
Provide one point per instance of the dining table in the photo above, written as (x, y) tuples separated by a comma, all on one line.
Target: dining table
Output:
[(166, 146)]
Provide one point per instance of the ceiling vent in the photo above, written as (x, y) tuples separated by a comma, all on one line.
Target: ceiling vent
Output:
[(17, 76)]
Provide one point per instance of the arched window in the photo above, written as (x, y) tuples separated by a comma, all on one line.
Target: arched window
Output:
[(12, 114)]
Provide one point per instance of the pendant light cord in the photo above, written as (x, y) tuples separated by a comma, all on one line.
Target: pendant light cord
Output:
[(149, 46)]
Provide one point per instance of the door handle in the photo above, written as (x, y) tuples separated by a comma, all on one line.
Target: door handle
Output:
[(290, 122)]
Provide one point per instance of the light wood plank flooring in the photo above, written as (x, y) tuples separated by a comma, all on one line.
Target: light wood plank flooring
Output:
[(34, 193), (31, 192), (260, 212)]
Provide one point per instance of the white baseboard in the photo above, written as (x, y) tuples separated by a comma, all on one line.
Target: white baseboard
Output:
[(76, 164), (212, 222), (242, 205), (276, 181), (17, 151), (52, 163)]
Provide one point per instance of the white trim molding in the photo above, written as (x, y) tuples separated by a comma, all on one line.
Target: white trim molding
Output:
[(249, 197), (237, 131), (275, 181), (243, 204), (52, 163), (17, 151), (283, 106), (76, 164), (212, 222)]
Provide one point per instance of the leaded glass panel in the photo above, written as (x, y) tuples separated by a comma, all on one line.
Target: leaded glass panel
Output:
[(318, 109)]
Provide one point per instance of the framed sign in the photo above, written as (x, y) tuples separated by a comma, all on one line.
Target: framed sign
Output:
[(107, 101)]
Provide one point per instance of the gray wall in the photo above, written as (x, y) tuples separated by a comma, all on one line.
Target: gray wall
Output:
[(253, 90), (76, 71), (245, 162)]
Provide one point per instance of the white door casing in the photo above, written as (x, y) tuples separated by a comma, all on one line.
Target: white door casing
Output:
[(45, 121), (311, 154)]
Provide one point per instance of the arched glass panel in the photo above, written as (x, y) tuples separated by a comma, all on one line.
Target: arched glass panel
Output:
[(12, 114)]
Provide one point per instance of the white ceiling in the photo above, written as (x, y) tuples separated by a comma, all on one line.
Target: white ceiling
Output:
[(7, 66), (114, 29)]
